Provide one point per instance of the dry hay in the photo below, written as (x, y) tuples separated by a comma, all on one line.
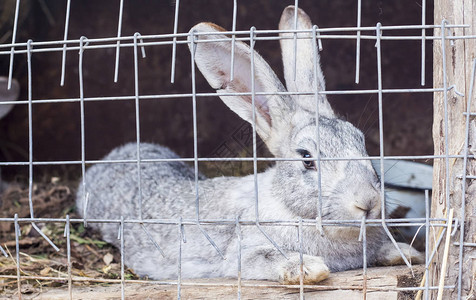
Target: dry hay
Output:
[(90, 256)]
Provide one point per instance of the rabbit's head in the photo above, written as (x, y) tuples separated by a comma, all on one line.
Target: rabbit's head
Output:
[(287, 122)]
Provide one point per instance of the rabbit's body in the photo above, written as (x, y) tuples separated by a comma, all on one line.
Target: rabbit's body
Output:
[(170, 194), (350, 189)]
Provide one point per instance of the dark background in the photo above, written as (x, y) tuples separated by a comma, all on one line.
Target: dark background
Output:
[(56, 127)]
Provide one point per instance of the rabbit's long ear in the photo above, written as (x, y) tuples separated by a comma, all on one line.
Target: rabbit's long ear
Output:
[(213, 58), (8, 94), (299, 74)]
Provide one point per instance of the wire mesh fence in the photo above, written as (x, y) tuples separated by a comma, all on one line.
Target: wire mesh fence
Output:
[(191, 222)]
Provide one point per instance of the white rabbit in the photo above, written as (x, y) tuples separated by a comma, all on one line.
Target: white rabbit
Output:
[(7, 95), (286, 191)]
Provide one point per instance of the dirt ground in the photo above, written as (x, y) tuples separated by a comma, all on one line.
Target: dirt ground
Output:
[(90, 257)]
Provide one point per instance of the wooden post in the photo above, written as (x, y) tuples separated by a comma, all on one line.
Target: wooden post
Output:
[(456, 60)]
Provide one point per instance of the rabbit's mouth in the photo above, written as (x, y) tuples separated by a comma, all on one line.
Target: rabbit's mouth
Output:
[(358, 211), (374, 213)]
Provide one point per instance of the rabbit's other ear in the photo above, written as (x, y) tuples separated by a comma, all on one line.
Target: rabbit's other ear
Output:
[(307, 56), (214, 61), (8, 94)]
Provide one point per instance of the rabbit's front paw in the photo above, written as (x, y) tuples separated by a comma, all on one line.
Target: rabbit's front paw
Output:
[(389, 255), (314, 270)]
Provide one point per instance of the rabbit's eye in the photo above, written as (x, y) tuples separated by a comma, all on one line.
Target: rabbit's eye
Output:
[(307, 164)]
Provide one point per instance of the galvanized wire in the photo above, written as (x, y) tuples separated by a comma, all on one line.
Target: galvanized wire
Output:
[(12, 50), (252, 36)]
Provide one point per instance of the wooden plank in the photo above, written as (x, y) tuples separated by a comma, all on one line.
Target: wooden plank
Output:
[(347, 285), (459, 56)]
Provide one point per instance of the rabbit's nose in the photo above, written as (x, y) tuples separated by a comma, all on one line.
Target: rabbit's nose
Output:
[(367, 204)]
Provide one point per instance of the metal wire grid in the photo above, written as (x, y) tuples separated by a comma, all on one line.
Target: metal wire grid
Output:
[(251, 36)]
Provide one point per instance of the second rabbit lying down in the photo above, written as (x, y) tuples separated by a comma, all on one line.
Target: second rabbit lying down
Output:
[(7, 95), (286, 191)]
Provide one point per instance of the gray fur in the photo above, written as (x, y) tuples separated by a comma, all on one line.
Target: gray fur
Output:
[(350, 189)]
